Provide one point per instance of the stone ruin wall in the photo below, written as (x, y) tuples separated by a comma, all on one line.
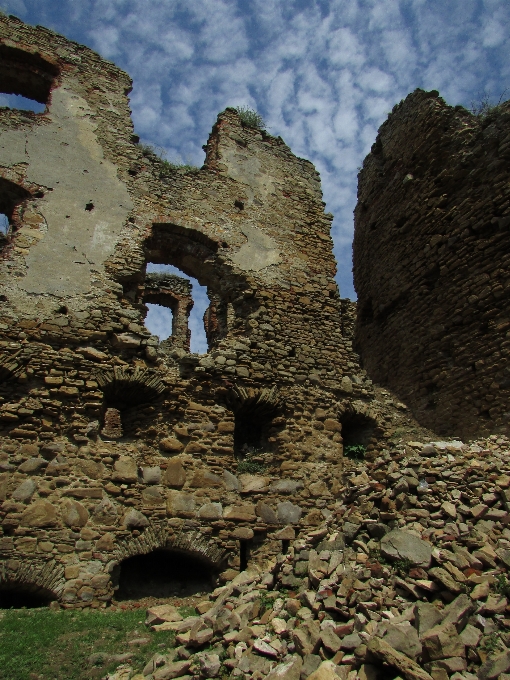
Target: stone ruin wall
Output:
[(113, 444), (432, 264)]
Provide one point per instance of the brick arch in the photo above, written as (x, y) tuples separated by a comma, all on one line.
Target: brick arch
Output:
[(33, 576), (155, 537), (27, 73)]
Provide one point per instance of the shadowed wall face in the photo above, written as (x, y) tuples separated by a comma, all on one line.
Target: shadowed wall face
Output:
[(432, 263)]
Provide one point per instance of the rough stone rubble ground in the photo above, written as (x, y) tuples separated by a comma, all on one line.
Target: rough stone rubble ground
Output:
[(406, 579)]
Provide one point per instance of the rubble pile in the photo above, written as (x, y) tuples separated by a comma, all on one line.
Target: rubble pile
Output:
[(407, 578)]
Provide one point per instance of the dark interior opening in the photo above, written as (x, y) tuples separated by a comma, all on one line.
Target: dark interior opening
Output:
[(357, 429), (244, 554), (163, 573), (26, 73), (18, 596), (250, 434), (11, 195)]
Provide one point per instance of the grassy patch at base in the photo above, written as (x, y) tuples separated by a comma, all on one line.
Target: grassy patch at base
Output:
[(48, 645)]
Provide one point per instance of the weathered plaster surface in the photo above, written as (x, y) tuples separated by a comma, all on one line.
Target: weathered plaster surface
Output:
[(66, 160)]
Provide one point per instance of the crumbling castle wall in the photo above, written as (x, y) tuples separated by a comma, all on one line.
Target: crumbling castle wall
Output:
[(112, 443), (432, 263)]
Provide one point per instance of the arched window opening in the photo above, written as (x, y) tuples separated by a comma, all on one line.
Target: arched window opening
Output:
[(27, 74), (22, 595), (254, 411), (163, 573), (357, 429), (4, 224), (159, 320), (188, 301), (11, 198), (17, 101), (125, 388), (174, 248)]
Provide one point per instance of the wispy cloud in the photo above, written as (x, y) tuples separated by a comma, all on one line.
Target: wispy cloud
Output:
[(323, 73)]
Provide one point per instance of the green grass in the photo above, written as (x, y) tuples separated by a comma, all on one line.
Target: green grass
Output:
[(48, 645), (250, 118), (251, 466)]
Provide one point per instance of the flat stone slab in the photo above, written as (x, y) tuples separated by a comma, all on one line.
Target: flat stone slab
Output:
[(404, 545)]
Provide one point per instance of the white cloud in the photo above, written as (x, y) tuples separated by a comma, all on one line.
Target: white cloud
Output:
[(324, 75)]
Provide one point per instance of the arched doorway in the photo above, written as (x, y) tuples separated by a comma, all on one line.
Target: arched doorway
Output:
[(163, 573), (14, 595)]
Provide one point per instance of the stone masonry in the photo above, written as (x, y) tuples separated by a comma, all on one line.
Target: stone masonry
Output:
[(112, 443), (431, 264)]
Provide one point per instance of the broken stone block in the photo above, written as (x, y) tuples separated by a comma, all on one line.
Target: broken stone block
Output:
[(175, 475), (494, 666), (74, 514), (171, 445), (125, 470), (253, 483), (384, 652), (231, 481), (33, 466), (289, 670), (211, 511), (442, 641), (266, 513), (426, 617), (134, 519), (151, 475), (400, 544), (240, 513), (288, 513), (180, 504), (326, 671), (24, 491), (39, 514), (161, 613), (307, 637), (203, 479), (404, 638)]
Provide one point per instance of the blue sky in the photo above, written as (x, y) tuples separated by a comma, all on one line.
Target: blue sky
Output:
[(323, 73)]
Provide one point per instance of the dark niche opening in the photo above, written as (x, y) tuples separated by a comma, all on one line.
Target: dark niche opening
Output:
[(357, 429), (163, 573), (250, 433), (18, 596), (11, 198), (244, 554)]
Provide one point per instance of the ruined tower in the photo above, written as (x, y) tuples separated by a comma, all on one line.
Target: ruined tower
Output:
[(431, 263)]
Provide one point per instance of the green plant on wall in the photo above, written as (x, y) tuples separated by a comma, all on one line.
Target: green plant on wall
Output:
[(250, 118), (355, 451)]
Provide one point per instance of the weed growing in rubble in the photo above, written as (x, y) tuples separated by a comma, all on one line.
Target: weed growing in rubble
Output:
[(502, 585), (355, 451), (250, 118), (491, 643), (403, 566), (484, 105)]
